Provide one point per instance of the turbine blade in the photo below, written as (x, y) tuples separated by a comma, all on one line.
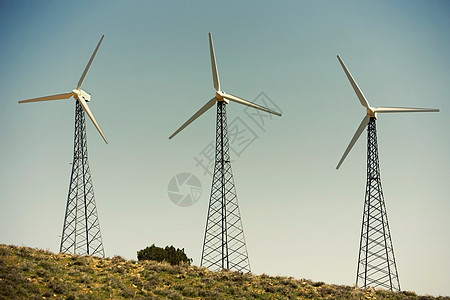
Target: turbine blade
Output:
[(248, 103), (91, 116), (205, 107), (215, 73), (80, 82), (358, 132), (355, 86), (47, 98), (403, 109)]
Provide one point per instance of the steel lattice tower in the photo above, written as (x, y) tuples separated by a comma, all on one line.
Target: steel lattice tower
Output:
[(224, 243), (376, 262), (81, 230)]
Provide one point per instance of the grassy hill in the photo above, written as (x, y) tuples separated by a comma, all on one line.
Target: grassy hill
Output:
[(27, 273)]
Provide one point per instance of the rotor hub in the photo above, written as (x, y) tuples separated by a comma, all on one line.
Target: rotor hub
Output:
[(76, 93), (220, 97), (80, 93), (371, 112)]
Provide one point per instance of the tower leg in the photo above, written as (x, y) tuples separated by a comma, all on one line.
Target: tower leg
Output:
[(376, 262), (81, 230), (224, 243)]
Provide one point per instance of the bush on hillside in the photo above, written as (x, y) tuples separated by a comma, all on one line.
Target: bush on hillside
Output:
[(169, 254)]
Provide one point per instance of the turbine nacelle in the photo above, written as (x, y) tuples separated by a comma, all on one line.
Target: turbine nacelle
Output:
[(77, 93), (371, 112), (220, 96)]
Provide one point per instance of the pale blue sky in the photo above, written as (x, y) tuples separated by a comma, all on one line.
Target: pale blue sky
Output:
[(301, 217)]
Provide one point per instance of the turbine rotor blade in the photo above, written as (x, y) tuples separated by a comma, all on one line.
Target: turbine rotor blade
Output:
[(248, 103), (355, 86), (91, 116), (358, 132), (207, 106), (80, 82), (215, 73), (47, 98), (403, 109)]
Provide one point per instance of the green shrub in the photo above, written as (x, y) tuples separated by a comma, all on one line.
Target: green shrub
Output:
[(169, 254)]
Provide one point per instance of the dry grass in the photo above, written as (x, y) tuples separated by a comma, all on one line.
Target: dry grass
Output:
[(27, 273)]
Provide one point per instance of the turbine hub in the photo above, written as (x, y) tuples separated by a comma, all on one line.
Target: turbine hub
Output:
[(85, 95), (371, 112), (220, 97), (76, 93)]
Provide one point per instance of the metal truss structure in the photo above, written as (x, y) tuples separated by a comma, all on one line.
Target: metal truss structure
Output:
[(224, 243), (376, 261), (81, 231)]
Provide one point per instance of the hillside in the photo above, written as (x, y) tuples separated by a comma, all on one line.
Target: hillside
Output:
[(27, 273)]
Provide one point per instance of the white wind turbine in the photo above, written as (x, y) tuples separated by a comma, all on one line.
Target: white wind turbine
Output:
[(220, 96), (224, 243), (376, 261), (78, 94), (81, 230), (371, 111)]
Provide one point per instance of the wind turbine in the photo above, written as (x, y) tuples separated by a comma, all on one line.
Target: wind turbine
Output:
[(81, 229), (376, 261), (224, 243)]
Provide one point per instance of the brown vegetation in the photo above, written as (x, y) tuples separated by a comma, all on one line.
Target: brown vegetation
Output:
[(27, 273)]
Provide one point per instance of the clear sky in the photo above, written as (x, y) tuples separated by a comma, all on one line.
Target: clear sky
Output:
[(301, 216)]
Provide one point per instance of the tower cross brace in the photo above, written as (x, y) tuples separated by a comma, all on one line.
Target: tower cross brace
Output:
[(224, 244), (81, 230), (376, 261)]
